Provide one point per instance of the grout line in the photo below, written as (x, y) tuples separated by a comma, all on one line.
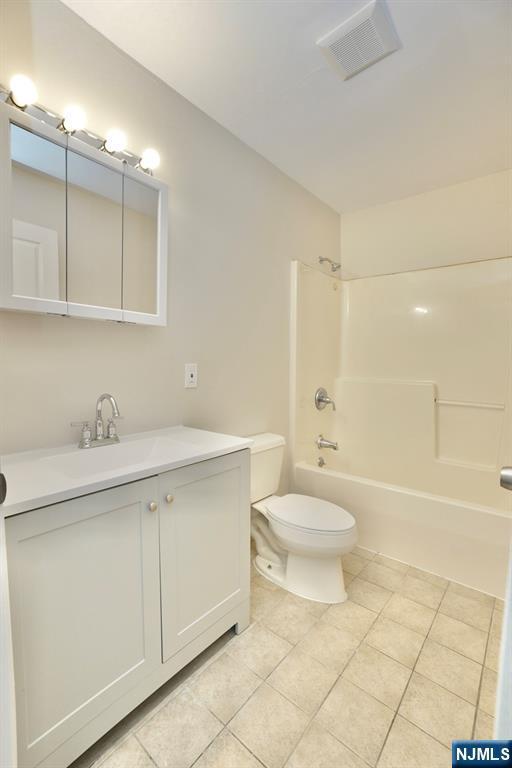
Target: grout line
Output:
[(477, 706), (407, 687)]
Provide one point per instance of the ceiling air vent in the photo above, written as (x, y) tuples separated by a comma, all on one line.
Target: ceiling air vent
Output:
[(360, 41)]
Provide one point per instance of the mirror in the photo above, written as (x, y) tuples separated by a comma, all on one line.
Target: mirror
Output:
[(140, 252), (95, 233), (38, 180), (82, 233)]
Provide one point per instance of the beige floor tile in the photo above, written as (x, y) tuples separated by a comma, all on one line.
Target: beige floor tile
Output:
[(270, 726), (390, 562), (303, 680), (311, 606), (259, 649), (484, 726), (378, 675), (179, 732), (257, 580), (329, 645), (367, 594), (224, 686), (352, 617), (225, 752), (290, 619), (487, 701), (422, 592), (431, 578), (457, 673), (320, 749), (436, 711), (353, 563), (356, 719), (367, 554), (395, 640), (263, 601), (473, 594), (129, 754), (410, 614), (473, 612), (459, 637), (382, 576), (408, 747), (492, 656), (347, 578)]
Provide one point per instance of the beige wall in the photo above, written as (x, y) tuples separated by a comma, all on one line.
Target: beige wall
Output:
[(461, 223), (235, 225)]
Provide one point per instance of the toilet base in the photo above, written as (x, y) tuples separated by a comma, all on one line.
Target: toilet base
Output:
[(318, 579)]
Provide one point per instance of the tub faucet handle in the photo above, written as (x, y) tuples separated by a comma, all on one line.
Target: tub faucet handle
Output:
[(322, 399)]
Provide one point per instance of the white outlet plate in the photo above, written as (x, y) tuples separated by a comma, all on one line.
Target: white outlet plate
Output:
[(190, 375)]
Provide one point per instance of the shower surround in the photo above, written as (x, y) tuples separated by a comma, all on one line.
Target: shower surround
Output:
[(418, 364)]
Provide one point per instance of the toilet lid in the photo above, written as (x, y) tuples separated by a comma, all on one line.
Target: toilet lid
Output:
[(310, 513)]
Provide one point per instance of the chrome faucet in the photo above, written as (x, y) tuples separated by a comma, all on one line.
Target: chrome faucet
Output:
[(322, 399), (321, 442), (87, 440), (111, 427)]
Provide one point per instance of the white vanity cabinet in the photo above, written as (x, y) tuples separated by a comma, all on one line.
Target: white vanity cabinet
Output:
[(115, 591), (203, 568)]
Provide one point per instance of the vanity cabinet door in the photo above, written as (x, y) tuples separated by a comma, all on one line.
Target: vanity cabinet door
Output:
[(204, 546), (84, 586)]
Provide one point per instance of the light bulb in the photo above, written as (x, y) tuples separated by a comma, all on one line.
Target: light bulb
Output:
[(150, 160), (116, 141), (23, 91), (74, 119)]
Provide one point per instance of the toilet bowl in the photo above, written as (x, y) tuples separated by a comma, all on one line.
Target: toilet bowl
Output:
[(299, 539)]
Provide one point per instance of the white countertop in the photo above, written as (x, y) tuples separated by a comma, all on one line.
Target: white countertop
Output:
[(38, 478)]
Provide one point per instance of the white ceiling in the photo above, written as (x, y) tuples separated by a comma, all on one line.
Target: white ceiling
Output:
[(436, 112)]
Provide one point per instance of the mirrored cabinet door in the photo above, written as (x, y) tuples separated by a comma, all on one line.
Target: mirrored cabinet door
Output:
[(38, 217), (140, 247), (95, 237)]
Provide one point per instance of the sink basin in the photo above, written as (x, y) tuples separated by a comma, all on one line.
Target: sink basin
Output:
[(81, 463), (38, 478)]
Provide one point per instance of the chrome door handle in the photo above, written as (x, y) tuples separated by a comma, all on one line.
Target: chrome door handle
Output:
[(506, 478)]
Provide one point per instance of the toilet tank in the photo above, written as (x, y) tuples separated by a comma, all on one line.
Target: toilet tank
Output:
[(267, 453)]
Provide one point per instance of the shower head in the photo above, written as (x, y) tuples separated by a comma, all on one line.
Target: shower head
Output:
[(335, 265)]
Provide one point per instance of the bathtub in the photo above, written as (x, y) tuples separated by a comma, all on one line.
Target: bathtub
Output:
[(460, 541)]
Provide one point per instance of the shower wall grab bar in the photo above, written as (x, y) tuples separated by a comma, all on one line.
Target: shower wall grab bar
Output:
[(467, 404)]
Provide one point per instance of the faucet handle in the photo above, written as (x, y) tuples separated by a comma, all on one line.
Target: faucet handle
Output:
[(86, 435), (111, 426)]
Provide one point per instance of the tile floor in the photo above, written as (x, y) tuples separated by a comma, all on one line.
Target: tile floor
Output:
[(386, 679)]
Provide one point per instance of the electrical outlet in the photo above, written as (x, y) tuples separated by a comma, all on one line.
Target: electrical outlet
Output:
[(190, 375)]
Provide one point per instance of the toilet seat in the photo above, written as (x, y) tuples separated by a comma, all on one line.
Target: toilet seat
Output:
[(309, 514)]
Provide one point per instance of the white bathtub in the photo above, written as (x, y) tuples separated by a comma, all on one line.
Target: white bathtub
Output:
[(457, 540)]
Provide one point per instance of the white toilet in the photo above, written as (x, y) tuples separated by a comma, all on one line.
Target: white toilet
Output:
[(299, 539)]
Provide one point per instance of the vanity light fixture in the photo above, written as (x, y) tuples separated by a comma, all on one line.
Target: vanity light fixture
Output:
[(150, 159), (115, 142), (74, 119), (23, 91)]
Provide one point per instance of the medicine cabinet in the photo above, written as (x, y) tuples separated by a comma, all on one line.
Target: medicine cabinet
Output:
[(82, 233)]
